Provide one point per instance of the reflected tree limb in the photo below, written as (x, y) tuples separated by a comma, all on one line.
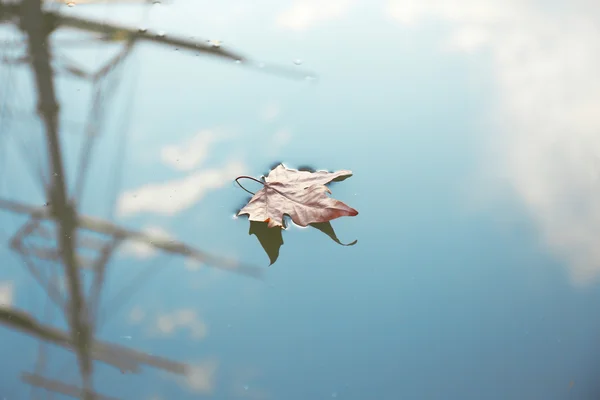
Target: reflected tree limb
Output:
[(62, 388), (35, 23), (166, 245), (116, 355), (116, 32)]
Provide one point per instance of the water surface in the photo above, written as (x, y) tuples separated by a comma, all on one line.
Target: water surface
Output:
[(470, 129)]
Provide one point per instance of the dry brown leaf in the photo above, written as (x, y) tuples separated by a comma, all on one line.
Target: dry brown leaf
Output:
[(300, 194)]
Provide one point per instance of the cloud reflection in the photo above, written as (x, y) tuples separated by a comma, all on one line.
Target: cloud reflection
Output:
[(304, 14), (201, 377), (6, 293), (172, 197), (169, 323), (193, 152), (545, 63)]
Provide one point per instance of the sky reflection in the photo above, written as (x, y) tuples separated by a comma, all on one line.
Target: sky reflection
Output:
[(470, 127)]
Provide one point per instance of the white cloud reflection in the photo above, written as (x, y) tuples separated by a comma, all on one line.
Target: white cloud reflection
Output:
[(193, 152), (545, 63), (172, 197), (6, 293), (183, 319), (201, 377), (304, 14)]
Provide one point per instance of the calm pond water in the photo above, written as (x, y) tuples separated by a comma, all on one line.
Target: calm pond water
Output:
[(470, 128)]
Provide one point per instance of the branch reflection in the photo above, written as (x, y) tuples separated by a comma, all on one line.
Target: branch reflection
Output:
[(58, 232)]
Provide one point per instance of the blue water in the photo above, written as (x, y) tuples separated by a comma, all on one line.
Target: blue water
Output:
[(466, 281)]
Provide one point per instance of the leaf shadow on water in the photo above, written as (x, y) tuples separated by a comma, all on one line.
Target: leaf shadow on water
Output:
[(271, 239)]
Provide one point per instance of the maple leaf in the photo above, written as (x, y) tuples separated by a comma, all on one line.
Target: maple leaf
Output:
[(303, 196), (300, 194)]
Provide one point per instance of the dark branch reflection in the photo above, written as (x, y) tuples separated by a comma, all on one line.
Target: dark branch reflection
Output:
[(58, 232)]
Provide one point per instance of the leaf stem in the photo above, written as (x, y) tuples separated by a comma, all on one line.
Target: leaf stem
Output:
[(247, 177)]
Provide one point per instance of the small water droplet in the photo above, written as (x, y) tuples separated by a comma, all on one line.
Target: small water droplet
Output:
[(334, 394), (238, 61), (161, 34), (143, 29), (55, 174), (261, 65), (298, 61), (246, 387), (71, 4), (229, 326)]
